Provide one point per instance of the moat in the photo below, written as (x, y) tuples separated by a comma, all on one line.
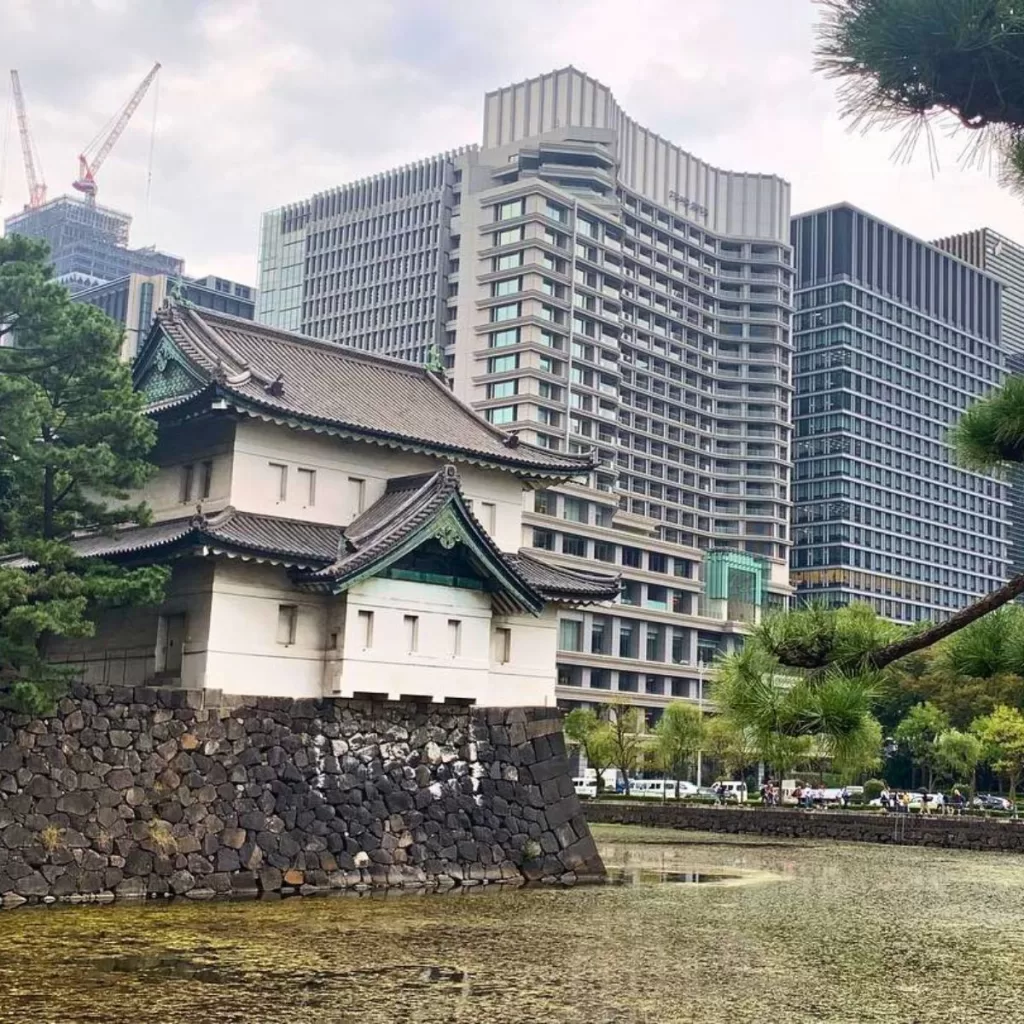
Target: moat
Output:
[(698, 928)]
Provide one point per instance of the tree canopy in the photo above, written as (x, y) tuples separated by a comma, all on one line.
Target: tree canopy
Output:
[(73, 445), (903, 61)]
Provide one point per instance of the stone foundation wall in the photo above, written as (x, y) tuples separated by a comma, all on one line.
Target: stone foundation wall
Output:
[(138, 792), (963, 833)]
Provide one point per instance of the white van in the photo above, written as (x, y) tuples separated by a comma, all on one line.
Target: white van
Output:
[(735, 792), (585, 787), (661, 788)]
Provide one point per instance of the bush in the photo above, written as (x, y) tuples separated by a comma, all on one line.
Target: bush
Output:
[(873, 789)]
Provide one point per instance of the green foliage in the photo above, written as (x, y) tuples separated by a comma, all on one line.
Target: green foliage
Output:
[(992, 646), (593, 735), (873, 789), (990, 433), (1002, 736), (918, 734), (73, 444), (727, 744), (627, 743), (957, 755), (903, 60), (678, 737)]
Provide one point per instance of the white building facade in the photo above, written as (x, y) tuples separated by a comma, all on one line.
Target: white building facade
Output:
[(336, 525), (592, 287)]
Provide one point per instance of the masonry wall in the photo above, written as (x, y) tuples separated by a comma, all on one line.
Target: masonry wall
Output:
[(138, 791), (963, 833)]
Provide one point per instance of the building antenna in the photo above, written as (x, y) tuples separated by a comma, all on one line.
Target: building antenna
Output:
[(152, 141)]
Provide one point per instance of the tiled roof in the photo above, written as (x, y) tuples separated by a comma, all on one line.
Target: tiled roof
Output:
[(291, 376), (559, 583), (287, 540), (409, 506)]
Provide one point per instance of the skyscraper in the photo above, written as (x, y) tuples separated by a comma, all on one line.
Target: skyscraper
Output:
[(1004, 259), (589, 284), (89, 243), (894, 339)]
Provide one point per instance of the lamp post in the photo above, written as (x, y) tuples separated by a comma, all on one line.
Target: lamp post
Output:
[(700, 708)]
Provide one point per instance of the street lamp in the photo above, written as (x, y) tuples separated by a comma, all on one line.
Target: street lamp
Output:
[(700, 706)]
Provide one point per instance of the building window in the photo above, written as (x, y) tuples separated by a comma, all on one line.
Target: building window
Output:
[(509, 261), (657, 562), (205, 479), (508, 236), (488, 516), (356, 494), (412, 633), (558, 213), (544, 502), (631, 557), (603, 551), (287, 618), (543, 539), (187, 477), (507, 312), (307, 486), (366, 628), (502, 644), (279, 478), (508, 287), (501, 339), (573, 545), (570, 635), (574, 510), (502, 414), (503, 389), (503, 364), (454, 637), (510, 210)]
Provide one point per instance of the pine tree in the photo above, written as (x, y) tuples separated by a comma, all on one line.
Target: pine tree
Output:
[(73, 445)]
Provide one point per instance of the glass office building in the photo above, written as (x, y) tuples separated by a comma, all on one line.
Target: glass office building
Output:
[(894, 339)]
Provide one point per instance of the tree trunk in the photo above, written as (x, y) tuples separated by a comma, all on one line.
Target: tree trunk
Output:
[(919, 641), (48, 502)]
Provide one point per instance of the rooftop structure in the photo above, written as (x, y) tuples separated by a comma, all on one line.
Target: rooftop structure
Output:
[(89, 243)]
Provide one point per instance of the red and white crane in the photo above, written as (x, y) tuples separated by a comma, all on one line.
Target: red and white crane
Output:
[(91, 158), (34, 179)]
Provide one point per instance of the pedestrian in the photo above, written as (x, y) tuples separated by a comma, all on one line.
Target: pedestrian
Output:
[(883, 799), (844, 797), (926, 798)]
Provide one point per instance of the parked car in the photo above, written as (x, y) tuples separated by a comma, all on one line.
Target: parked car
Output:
[(585, 787), (992, 802)]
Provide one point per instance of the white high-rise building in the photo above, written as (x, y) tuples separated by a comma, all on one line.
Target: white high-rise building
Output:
[(588, 284)]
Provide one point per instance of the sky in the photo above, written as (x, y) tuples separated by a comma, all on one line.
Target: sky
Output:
[(262, 102)]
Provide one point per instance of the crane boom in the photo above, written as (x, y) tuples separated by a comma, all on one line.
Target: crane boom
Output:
[(89, 166), (36, 185)]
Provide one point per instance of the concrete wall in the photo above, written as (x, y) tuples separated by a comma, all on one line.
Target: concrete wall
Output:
[(963, 833), (135, 792)]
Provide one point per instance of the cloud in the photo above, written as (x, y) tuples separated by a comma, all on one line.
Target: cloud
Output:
[(262, 102)]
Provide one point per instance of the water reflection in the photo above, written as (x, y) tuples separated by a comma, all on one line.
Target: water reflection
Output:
[(683, 937)]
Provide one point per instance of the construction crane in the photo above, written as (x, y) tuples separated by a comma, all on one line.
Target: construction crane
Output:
[(92, 157), (36, 185)]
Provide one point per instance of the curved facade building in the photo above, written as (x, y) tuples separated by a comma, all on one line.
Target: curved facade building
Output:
[(589, 285)]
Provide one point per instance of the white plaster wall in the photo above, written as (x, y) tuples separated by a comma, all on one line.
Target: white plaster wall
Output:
[(528, 678), (389, 667), (244, 655), (123, 649), (191, 443), (254, 484)]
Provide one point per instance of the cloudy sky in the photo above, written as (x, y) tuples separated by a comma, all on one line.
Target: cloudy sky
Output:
[(261, 102)]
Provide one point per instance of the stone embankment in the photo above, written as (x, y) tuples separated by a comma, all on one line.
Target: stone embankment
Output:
[(133, 792), (959, 833)]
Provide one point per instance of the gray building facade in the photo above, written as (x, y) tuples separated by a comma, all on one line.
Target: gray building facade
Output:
[(894, 339), (134, 299), (1004, 259), (88, 243), (590, 285)]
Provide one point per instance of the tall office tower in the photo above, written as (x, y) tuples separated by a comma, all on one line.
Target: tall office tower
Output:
[(590, 285), (134, 299), (1004, 259), (89, 243), (894, 339)]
